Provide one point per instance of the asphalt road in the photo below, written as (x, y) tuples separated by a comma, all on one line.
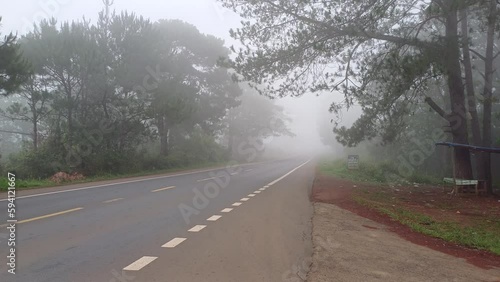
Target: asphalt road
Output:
[(247, 223)]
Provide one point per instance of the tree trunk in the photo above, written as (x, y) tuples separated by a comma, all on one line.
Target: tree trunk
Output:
[(35, 132), (457, 118), (488, 91), (471, 97), (69, 99), (163, 131)]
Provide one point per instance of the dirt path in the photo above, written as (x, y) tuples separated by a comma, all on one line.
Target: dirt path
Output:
[(350, 247)]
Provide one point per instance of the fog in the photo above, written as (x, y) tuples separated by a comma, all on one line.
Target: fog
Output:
[(311, 117), (308, 115), (207, 15)]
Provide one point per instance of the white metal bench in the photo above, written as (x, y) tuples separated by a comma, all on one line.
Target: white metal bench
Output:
[(459, 183)]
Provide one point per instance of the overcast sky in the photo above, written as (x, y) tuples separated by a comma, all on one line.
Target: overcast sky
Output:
[(208, 15)]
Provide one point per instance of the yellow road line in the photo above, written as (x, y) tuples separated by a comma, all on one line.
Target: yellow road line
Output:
[(111, 201), (163, 189), (44, 216)]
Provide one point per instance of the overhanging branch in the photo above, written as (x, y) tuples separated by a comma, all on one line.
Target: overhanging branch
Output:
[(435, 107)]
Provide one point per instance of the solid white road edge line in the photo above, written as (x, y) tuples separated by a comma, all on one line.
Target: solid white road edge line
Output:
[(292, 171), (126, 182)]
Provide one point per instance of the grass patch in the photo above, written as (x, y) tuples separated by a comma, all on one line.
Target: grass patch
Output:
[(24, 184), (482, 234), (479, 232), (365, 173), (373, 173)]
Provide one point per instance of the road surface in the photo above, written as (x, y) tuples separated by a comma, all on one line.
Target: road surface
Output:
[(247, 223)]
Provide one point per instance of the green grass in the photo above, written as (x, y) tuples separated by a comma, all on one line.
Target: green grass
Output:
[(483, 234), (365, 173), (373, 173), (29, 183), (480, 233), (24, 184)]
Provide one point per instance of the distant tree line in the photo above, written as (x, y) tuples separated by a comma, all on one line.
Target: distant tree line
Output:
[(123, 95)]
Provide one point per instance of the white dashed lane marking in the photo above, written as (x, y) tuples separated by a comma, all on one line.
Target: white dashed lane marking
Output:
[(206, 179), (174, 242), (112, 201), (140, 263), (163, 189), (197, 228), (144, 261), (214, 218)]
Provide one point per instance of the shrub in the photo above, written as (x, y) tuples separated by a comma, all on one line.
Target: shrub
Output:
[(111, 162), (42, 163)]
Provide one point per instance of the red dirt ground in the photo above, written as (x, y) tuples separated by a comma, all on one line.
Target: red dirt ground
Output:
[(331, 190)]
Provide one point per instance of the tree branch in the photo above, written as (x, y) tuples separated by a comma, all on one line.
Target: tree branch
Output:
[(479, 55), (436, 107), (355, 31)]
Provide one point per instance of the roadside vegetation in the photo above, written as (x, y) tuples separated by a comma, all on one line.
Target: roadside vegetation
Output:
[(24, 184), (123, 96), (374, 173), (425, 207)]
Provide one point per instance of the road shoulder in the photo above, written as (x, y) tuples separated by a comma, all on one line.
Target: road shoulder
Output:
[(350, 247)]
